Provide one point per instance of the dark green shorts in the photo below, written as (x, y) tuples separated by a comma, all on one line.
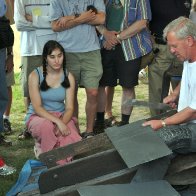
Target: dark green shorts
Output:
[(29, 63), (86, 68)]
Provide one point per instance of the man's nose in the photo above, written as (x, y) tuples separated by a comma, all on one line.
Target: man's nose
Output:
[(172, 50)]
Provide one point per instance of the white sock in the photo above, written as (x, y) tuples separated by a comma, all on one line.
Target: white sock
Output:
[(6, 117)]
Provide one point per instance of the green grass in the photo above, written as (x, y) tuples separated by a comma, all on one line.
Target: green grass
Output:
[(21, 151)]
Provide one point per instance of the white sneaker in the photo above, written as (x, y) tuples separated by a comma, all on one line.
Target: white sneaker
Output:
[(7, 170), (37, 150)]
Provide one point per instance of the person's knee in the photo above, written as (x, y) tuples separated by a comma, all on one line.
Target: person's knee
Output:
[(47, 126), (92, 94), (43, 128), (128, 92)]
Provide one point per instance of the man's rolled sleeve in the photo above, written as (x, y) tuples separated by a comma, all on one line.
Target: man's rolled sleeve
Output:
[(144, 11), (100, 6)]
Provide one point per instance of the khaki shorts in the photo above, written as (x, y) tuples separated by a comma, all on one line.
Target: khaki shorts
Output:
[(29, 63), (10, 78), (86, 68)]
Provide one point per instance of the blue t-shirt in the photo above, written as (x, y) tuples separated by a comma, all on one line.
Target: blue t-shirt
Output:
[(81, 38), (2, 8), (52, 99)]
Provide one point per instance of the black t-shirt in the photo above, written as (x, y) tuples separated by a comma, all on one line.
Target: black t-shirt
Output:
[(164, 11)]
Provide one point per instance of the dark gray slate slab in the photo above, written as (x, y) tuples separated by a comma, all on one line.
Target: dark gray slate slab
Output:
[(156, 188), (137, 144)]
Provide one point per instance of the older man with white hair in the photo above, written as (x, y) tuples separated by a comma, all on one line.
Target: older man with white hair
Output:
[(179, 130)]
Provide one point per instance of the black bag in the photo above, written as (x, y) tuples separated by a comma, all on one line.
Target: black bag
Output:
[(6, 33)]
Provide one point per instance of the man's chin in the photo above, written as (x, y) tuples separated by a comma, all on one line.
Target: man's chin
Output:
[(180, 58)]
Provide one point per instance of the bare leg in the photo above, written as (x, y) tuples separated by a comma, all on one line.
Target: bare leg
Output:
[(76, 108), (8, 108), (109, 99), (91, 108), (6, 121), (27, 102), (25, 134), (128, 93)]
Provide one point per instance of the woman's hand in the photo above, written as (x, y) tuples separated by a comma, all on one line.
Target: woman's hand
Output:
[(61, 128)]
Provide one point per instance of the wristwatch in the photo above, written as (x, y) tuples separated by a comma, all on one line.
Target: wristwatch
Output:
[(163, 123), (118, 37)]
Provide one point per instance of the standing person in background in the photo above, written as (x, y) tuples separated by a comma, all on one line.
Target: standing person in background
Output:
[(32, 20), (75, 23), (6, 43), (192, 15), (163, 12), (9, 73), (126, 40), (110, 119)]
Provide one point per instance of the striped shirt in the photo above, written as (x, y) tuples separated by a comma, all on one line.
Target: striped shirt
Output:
[(139, 44)]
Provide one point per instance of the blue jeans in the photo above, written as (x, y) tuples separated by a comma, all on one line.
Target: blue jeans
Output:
[(3, 87)]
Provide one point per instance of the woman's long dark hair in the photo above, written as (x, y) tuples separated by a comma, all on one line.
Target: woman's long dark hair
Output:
[(49, 47)]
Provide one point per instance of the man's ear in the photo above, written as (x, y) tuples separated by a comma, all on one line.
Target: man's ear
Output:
[(190, 40)]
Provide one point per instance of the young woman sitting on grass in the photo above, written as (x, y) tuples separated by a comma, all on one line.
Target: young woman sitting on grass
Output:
[(51, 87)]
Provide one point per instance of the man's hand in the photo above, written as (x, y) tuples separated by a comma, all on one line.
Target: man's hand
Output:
[(87, 16), (63, 20), (29, 17), (110, 37), (107, 45), (170, 99), (155, 124), (84, 17)]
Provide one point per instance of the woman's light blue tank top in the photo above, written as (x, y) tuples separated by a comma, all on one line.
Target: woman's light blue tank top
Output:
[(53, 100)]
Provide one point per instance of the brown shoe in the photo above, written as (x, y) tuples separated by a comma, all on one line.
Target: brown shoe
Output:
[(4, 142)]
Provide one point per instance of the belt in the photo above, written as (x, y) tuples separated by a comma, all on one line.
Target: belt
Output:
[(160, 40)]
